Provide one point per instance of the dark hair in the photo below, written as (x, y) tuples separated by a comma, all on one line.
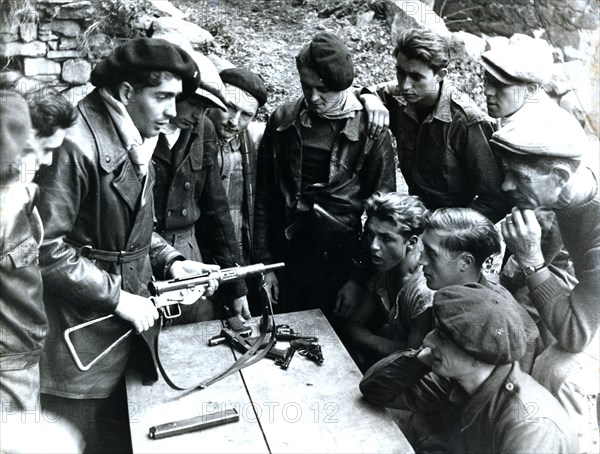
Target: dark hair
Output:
[(142, 79), (539, 164), (406, 212), (465, 230), (49, 110), (424, 45)]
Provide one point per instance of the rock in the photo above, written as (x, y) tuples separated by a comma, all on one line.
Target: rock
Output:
[(65, 27), (142, 22), (465, 44), (415, 14), (36, 66), (167, 25), (33, 49), (76, 71), (64, 54), (496, 41), (220, 63), (68, 43), (28, 31), (53, 45), (363, 20), (168, 9), (77, 10), (76, 94), (8, 37)]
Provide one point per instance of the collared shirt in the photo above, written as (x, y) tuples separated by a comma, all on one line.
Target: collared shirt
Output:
[(446, 159)]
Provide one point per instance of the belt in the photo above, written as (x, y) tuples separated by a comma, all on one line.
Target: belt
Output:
[(119, 257)]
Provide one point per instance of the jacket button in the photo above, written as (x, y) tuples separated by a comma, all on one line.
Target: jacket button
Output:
[(187, 185), (107, 158), (169, 213), (509, 386), (133, 247), (184, 212)]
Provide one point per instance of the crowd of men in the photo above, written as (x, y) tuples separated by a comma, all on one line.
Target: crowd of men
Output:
[(160, 172)]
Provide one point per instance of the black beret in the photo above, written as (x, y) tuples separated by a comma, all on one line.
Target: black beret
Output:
[(486, 324), (330, 59), (148, 54), (247, 81)]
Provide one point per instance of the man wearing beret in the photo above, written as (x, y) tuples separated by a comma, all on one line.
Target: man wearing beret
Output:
[(541, 161), (316, 167), (99, 250), (239, 137), (189, 200), (469, 364), (442, 137)]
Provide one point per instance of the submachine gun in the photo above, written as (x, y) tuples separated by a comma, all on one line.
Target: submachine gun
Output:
[(167, 296)]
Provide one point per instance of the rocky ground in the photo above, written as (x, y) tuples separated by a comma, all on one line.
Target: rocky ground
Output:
[(265, 36)]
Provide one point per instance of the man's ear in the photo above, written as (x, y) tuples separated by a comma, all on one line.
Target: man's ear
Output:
[(466, 261), (531, 89), (125, 92), (562, 174), (412, 243), (439, 76)]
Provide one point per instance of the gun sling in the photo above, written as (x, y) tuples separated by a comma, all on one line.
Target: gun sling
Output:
[(109, 256), (247, 359)]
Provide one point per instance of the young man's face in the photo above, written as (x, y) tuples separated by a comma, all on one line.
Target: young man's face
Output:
[(318, 97), (189, 112), (418, 82), (386, 244), (440, 265), (502, 99), (529, 188), (241, 109), (448, 359), (151, 108), (47, 145)]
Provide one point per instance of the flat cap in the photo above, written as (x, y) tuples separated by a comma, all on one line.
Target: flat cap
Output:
[(246, 80), (326, 59), (483, 323), (210, 86), (553, 132), (149, 54), (15, 133), (521, 60)]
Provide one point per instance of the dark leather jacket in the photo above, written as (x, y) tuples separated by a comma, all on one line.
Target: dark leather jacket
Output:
[(23, 321), (359, 167), (192, 196), (91, 196)]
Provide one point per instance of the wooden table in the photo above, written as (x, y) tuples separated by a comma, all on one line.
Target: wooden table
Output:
[(307, 408)]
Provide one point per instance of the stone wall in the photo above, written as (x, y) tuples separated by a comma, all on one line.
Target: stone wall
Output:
[(57, 42)]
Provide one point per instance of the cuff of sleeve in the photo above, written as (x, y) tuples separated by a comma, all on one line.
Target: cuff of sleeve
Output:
[(234, 290), (546, 291), (171, 257)]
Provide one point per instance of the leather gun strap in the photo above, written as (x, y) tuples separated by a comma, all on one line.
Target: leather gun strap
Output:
[(247, 359)]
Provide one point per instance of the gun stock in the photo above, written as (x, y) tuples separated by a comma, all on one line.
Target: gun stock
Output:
[(164, 295)]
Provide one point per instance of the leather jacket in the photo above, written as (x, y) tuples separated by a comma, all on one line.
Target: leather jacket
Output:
[(90, 199), (359, 167)]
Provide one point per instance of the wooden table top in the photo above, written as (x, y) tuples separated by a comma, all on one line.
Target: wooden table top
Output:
[(306, 408)]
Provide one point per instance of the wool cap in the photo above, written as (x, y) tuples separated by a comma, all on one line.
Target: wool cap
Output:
[(554, 133), (149, 54), (483, 323), (326, 59), (211, 85), (247, 81), (15, 133), (520, 60)]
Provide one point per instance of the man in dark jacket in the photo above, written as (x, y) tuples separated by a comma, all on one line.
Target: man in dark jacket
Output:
[(100, 250), (191, 205), (469, 365), (316, 167)]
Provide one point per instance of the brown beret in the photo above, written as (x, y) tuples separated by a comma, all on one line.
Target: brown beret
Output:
[(483, 323), (326, 58), (246, 80), (15, 132), (146, 54)]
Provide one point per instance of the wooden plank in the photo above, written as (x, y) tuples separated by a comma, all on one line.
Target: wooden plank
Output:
[(318, 408), (188, 360)]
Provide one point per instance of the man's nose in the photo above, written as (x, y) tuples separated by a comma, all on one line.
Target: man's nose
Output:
[(508, 184), (314, 94), (234, 118), (171, 109), (375, 246), (428, 341), (422, 259)]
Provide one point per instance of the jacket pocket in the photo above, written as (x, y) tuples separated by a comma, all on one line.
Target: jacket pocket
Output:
[(25, 254)]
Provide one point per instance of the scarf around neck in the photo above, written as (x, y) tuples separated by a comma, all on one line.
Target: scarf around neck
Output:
[(346, 107)]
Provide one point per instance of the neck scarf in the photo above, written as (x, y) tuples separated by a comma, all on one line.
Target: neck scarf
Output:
[(346, 107)]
